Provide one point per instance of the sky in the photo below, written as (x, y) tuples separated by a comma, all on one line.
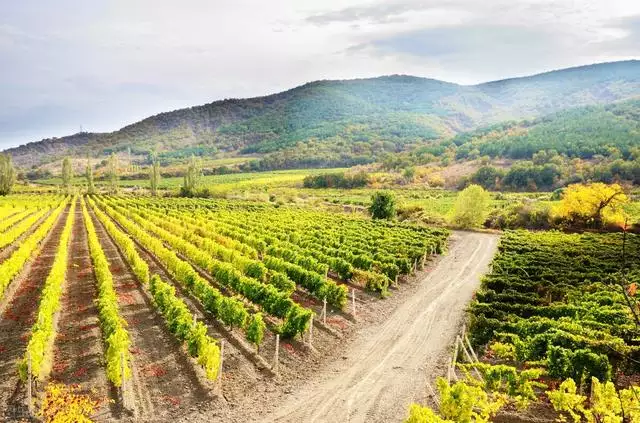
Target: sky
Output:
[(101, 65)]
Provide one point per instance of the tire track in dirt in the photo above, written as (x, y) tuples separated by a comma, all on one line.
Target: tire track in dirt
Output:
[(389, 364), (165, 381), (78, 347), (18, 317)]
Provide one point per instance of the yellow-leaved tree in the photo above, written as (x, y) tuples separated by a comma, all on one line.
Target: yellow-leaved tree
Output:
[(593, 205)]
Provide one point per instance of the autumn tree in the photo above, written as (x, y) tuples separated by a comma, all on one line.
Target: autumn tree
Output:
[(471, 208), (113, 172), (7, 174), (91, 189), (154, 174), (67, 174), (592, 205)]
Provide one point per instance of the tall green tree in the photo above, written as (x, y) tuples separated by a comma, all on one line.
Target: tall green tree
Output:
[(113, 173), (192, 178), (91, 189), (471, 208), (7, 174), (67, 174), (383, 205), (154, 176)]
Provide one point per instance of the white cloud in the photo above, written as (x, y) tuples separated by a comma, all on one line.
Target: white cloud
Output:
[(105, 64)]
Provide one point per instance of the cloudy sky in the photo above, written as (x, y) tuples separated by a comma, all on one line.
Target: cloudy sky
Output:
[(104, 64)]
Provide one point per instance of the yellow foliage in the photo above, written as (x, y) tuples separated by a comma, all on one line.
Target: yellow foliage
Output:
[(63, 404), (435, 180), (593, 204)]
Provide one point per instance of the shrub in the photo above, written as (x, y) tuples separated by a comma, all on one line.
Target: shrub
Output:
[(471, 207), (383, 205)]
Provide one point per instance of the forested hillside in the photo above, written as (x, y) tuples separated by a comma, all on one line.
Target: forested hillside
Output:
[(584, 132), (329, 123)]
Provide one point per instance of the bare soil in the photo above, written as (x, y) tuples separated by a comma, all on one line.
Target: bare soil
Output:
[(78, 347), (381, 364), (165, 383)]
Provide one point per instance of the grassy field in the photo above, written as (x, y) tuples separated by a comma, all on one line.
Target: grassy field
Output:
[(285, 186)]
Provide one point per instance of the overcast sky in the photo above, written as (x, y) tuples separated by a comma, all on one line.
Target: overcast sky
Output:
[(104, 64)]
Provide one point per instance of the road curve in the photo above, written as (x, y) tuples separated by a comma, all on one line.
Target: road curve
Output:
[(388, 365)]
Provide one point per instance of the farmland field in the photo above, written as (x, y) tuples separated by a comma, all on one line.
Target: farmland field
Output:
[(153, 307)]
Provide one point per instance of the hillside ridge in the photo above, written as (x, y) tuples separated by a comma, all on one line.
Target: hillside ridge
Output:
[(343, 122)]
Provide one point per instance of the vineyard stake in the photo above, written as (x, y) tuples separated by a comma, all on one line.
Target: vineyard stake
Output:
[(275, 356), (311, 333), (466, 353), (324, 311), (219, 380), (454, 358), (473, 353), (122, 387), (353, 302), (29, 403)]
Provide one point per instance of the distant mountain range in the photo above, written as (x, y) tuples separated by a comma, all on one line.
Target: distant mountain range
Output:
[(348, 122)]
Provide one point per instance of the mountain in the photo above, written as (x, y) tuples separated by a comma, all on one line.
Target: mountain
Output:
[(580, 132), (347, 122)]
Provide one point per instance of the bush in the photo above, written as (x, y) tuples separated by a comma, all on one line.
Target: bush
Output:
[(383, 205), (336, 180), (471, 207)]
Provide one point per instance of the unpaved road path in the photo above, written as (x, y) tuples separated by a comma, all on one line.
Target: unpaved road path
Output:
[(389, 365)]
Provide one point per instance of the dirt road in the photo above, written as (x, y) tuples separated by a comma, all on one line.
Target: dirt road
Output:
[(387, 367)]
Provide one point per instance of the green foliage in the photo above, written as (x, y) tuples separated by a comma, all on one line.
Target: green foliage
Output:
[(113, 173), (229, 310), (40, 346), (383, 205), (182, 324), (192, 178), (154, 175), (255, 329), (67, 174), (554, 297), (116, 337), (91, 189), (503, 351), (579, 132), (336, 180), (488, 177), (471, 207), (518, 385), (7, 174)]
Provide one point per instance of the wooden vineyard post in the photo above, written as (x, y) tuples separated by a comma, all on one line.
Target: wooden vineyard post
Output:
[(311, 334), (454, 359), (473, 353), (29, 397), (219, 379), (353, 302), (122, 383), (275, 356), (324, 311)]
